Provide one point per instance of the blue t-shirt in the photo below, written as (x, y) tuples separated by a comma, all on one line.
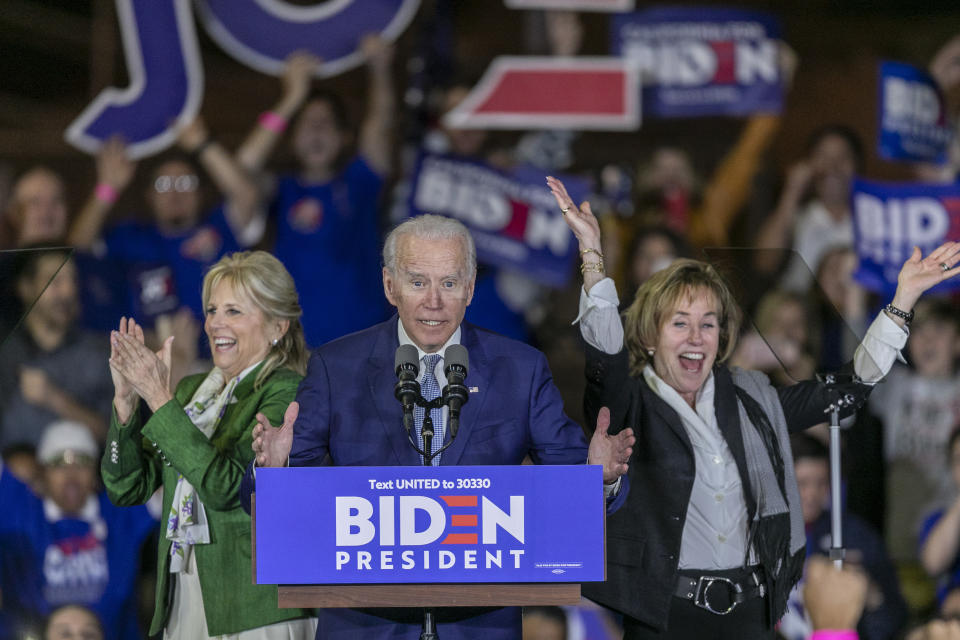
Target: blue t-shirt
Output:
[(48, 562), (328, 237), (165, 272)]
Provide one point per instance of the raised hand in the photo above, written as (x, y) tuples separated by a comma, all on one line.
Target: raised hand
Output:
[(192, 136), (834, 597), (271, 445), (919, 274), (298, 73), (114, 168), (378, 51), (612, 452), (580, 219)]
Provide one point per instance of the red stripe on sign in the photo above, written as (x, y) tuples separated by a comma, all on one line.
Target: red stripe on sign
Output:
[(593, 92), (460, 538), (463, 520), (460, 501), (517, 227), (726, 62)]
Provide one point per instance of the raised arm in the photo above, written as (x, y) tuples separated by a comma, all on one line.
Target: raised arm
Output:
[(376, 132), (939, 550), (231, 179), (776, 231), (261, 141), (114, 172)]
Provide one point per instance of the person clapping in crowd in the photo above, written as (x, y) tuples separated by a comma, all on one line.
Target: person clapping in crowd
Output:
[(72, 546), (711, 495), (327, 213), (197, 443)]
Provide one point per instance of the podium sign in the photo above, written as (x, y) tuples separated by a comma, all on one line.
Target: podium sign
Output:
[(470, 524)]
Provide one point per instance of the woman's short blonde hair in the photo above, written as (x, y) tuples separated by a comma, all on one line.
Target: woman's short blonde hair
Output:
[(267, 283), (659, 297)]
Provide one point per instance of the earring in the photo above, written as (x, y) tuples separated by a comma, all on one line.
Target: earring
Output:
[(275, 341), (650, 351)]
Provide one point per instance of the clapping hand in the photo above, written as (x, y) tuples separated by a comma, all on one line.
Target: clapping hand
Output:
[(137, 368), (271, 445)]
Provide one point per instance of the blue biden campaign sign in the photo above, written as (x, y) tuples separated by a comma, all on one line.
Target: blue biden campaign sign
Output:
[(702, 62), (361, 525), (914, 124), (890, 219)]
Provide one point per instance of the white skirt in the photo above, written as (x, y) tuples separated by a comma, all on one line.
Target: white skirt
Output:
[(188, 620)]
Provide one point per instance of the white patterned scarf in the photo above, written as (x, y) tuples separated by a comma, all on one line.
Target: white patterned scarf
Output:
[(187, 521)]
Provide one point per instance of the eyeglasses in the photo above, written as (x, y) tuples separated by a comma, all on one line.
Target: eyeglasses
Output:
[(180, 184)]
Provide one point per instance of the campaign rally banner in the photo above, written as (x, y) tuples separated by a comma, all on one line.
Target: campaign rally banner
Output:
[(513, 217), (889, 219), (702, 62), (572, 5), (913, 122), (359, 525)]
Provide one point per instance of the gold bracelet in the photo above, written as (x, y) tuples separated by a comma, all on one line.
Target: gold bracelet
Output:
[(596, 267), (584, 252)]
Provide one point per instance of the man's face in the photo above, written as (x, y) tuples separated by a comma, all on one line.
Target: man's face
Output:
[(42, 209), (813, 479), (70, 484), (58, 303), (430, 289)]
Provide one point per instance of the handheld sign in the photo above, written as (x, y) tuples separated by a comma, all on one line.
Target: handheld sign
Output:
[(913, 121)]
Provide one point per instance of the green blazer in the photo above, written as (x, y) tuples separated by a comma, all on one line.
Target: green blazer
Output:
[(140, 458)]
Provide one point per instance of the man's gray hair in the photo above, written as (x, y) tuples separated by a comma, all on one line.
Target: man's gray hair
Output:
[(430, 227)]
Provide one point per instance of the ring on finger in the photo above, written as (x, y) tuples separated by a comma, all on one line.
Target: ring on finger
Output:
[(564, 210), (944, 267)]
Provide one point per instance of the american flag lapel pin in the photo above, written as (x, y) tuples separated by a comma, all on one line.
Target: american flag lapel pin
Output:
[(474, 389)]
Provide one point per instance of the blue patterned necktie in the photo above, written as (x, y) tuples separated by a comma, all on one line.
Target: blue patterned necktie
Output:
[(430, 389)]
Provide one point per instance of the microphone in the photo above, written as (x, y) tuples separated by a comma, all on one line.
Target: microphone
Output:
[(455, 366), (406, 364)]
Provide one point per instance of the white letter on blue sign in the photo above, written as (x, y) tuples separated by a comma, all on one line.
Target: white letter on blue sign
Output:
[(409, 505), (166, 81), (354, 512), (494, 517)]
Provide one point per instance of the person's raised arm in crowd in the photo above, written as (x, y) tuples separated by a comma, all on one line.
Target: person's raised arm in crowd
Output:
[(945, 69), (940, 541), (114, 172), (729, 187), (240, 194), (260, 142)]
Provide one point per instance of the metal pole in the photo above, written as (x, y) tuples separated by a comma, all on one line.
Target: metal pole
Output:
[(836, 510)]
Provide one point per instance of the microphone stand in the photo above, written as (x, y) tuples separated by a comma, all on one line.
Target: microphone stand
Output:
[(832, 382), (429, 629)]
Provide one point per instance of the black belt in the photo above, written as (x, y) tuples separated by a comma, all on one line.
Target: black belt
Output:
[(720, 594)]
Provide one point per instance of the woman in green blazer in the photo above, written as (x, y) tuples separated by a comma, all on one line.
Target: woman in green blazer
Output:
[(197, 444)]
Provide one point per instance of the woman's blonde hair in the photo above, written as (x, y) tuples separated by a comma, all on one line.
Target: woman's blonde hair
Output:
[(267, 283), (659, 297)]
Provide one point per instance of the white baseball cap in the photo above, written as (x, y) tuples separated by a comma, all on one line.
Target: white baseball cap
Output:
[(64, 441)]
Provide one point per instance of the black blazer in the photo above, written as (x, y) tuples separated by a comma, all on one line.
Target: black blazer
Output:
[(643, 536)]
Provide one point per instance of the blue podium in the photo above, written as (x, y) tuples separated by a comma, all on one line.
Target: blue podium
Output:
[(429, 536)]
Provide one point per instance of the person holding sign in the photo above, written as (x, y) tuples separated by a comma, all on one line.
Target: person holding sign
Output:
[(197, 443), (345, 412), (710, 534)]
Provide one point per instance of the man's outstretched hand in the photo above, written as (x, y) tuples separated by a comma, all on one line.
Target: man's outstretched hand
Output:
[(612, 452), (271, 445)]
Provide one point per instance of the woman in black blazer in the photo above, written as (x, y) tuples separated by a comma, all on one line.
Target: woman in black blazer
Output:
[(707, 539)]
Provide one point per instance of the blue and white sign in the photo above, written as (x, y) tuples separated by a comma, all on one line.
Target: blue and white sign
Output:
[(360, 525), (913, 117), (513, 217), (702, 62), (166, 72), (890, 219)]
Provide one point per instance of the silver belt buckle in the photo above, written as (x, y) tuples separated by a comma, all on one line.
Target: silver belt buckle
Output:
[(703, 586)]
